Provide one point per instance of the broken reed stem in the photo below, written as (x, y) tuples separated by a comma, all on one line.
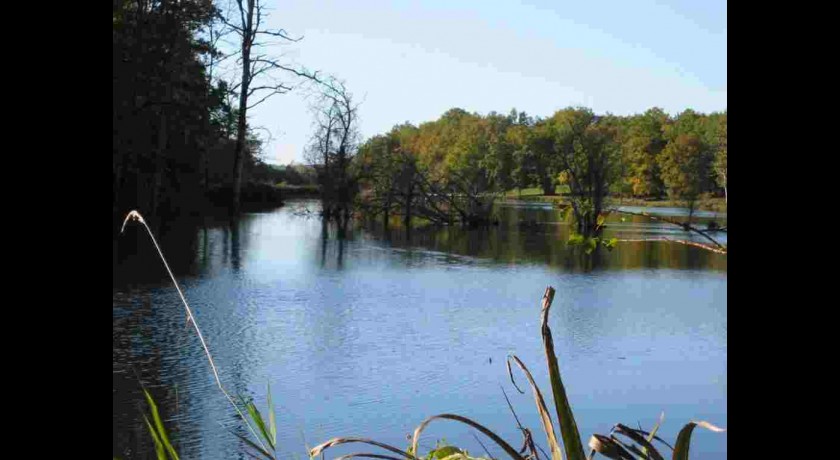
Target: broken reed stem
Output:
[(134, 215)]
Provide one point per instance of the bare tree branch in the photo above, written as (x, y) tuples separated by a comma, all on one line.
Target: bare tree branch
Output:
[(280, 33), (247, 19), (707, 247), (299, 72), (684, 225), (272, 93)]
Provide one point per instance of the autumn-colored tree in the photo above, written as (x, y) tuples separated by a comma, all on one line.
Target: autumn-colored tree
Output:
[(643, 142), (685, 165), (715, 139), (499, 159), (720, 158), (387, 168), (519, 138)]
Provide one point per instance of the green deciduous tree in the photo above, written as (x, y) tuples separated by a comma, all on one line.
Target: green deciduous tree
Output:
[(685, 169), (387, 170), (686, 163), (543, 158), (587, 151), (720, 158), (643, 142)]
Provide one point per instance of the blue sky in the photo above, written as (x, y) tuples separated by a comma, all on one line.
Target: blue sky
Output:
[(412, 61)]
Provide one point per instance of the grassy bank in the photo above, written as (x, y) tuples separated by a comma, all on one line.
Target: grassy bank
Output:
[(716, 204)]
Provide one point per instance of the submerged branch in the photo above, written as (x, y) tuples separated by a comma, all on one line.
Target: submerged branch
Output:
[(707, 247), (684, 225)]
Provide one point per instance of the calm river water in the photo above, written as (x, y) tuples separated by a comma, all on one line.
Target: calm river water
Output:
[(369, 334)]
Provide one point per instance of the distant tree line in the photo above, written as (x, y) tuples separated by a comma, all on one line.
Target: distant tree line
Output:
[(451, 169)]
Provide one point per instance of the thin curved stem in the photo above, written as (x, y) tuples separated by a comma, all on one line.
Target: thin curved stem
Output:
[(134, 215)]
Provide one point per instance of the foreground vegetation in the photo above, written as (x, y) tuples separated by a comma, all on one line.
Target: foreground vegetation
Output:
[(622, 442)]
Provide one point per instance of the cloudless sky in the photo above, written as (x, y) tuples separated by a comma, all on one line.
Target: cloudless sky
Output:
[(412, 61)]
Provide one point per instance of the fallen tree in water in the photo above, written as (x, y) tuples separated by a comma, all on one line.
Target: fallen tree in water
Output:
[(715, 245), (395, 183)]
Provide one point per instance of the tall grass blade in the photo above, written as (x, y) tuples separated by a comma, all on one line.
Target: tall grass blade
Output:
[(656, 427), (253, 445), (489, 455), (568, 426), (136, 216), (258, 420), (545, 416), (655, 438), (684, 438), (501, 442), (648, 450), (528, 441), (630, 447), (366, 455), (159, 450), (654, 430), (161, 431), (510, 372), (609, 448), (317, 450), (272, 419)]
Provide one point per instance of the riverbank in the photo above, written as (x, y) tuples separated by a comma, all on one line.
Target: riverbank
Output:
[(307, 191), (259, 196), (715, 204)]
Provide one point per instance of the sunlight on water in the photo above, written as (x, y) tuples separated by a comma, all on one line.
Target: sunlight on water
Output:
[(368, 335)]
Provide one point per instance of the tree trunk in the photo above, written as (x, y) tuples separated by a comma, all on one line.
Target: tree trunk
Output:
[(548, 186), (409, 198), (241, 126), (239, 150)]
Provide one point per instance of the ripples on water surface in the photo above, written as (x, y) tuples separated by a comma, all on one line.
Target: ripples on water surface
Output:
[(368, 335)]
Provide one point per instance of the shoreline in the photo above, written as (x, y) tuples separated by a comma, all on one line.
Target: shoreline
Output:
[(714, 204)]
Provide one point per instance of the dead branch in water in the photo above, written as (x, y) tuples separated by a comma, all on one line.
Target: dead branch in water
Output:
[(672, 240), (719, 248)]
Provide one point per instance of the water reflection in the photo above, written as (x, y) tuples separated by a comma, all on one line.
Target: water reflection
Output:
[(334, 237), (367, 333), (538, 235), (234, 245)]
